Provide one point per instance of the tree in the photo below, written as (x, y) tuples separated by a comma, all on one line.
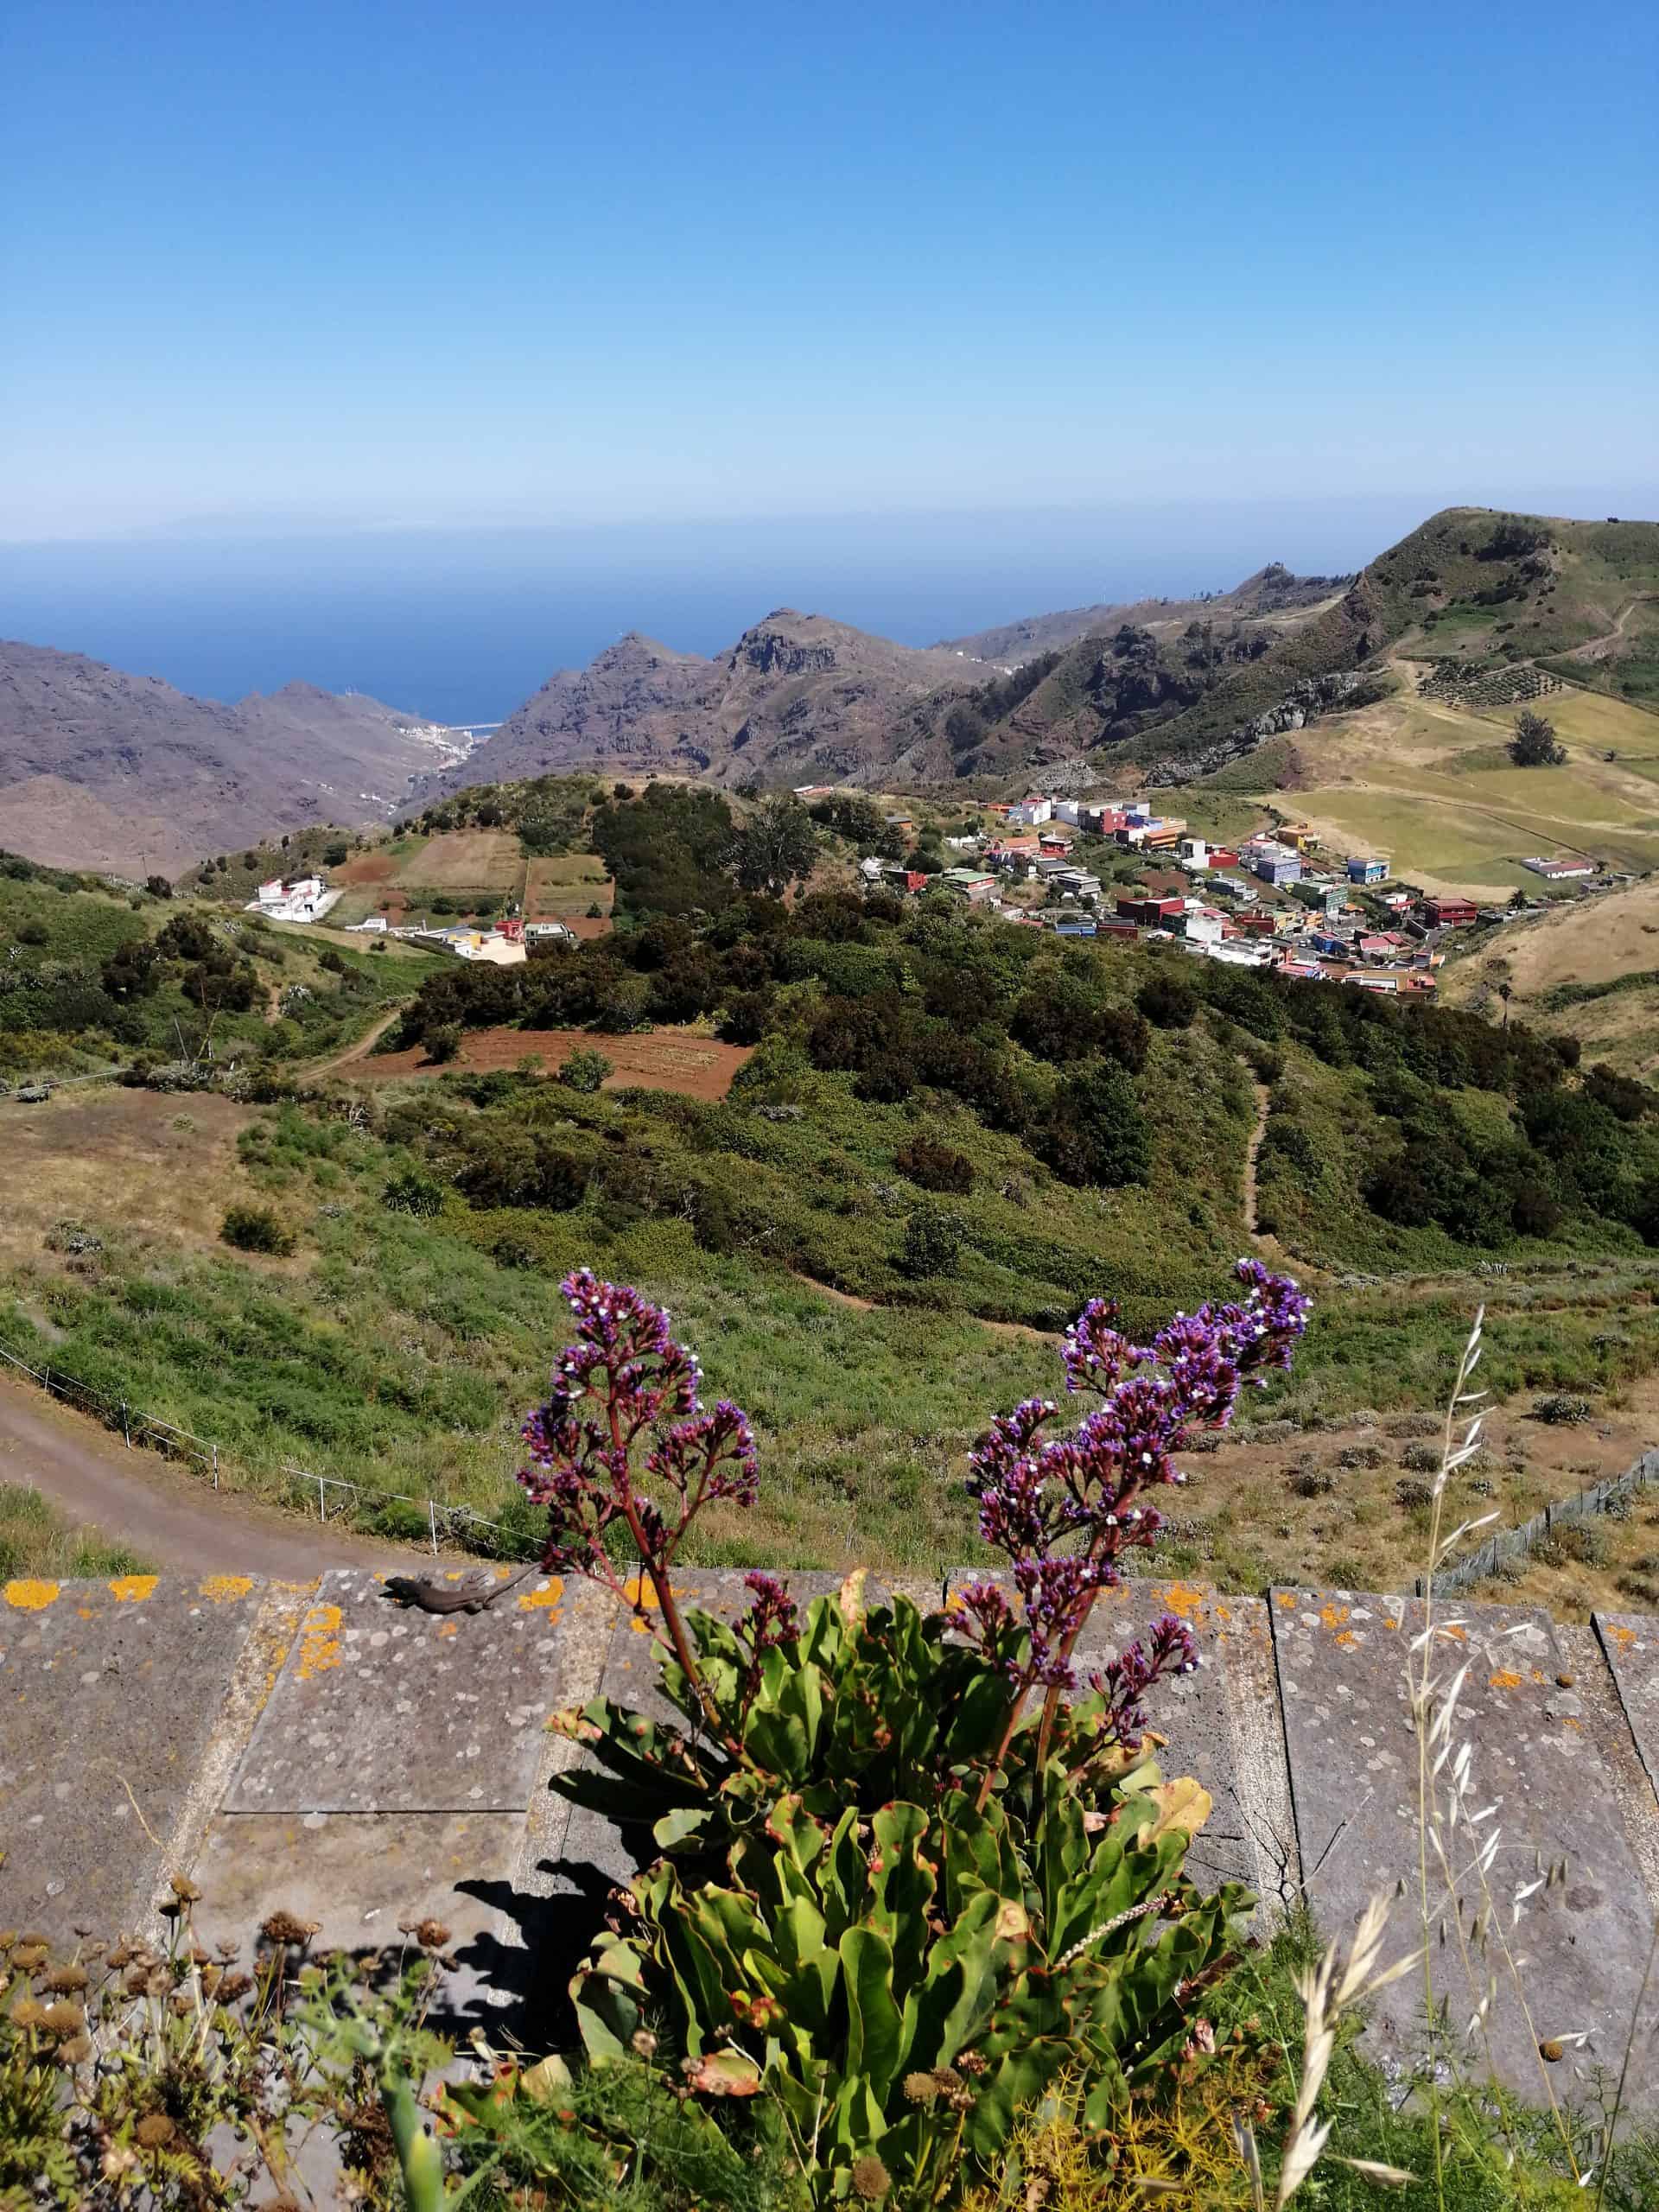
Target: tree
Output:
[(132, 969), (585, 1069), (158, 886), (1533, 745), (774, 847), (1096, 1132), (932, 1244)]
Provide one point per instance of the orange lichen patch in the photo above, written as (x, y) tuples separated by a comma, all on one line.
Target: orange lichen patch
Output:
[(1224, 1612), (1623, 1638), (1181, 1597), (550, 1601), (449, 1628), (1347, 1638), (133, 1589), (1572, 1720), (1456, 1631), (641, 1593), (31, 1597), (1333, 1616), (1389, 1622), (85, 1611), (1505, 1679), (222, 1588), (320, 1642), (1286, 1599)]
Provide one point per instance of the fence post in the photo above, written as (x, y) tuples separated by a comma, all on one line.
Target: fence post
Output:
[(432, 1516), (323, 1507), (126, 1433), (213, 1448)]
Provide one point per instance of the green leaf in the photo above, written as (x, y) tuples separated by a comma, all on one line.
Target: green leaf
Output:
[(874, 2024), (680, 1825)]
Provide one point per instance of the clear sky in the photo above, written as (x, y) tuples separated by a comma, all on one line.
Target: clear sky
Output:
[(332, 261)]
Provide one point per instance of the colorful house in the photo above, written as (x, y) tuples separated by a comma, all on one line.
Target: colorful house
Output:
[(1360, 870), (1448, 913)]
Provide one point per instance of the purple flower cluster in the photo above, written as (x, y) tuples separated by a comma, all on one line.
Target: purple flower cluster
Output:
[(1065, 1508), (623, 1378), (772, 1619), (1123, 1682)]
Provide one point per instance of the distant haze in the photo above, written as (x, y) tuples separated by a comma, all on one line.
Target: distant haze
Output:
[(464, 625)]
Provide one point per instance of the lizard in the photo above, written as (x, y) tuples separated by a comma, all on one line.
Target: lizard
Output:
[(411, 1591)]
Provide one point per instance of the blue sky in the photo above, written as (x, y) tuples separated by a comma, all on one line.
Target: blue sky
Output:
[(421, 265)]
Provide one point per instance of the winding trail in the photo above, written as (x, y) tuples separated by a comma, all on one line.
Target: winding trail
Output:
[(164, 1513), (359, 1049)]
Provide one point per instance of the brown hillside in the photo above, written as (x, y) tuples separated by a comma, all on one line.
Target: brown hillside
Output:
[(101, 769)]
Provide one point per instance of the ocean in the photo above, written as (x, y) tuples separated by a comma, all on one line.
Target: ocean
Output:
[(462, 625)]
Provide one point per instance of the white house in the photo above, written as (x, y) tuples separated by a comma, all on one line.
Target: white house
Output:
[(296, 899), (1067, 810), (1193, 852), (1032, 811), (1204, 925)]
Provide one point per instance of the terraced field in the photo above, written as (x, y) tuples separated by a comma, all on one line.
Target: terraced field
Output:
[(1430, 784)]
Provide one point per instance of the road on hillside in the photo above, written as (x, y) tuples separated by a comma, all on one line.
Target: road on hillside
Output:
[(168, 1516)]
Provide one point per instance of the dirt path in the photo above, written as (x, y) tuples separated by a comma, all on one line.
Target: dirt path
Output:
[(163, 1512), (358, 1050), (850, 1298)]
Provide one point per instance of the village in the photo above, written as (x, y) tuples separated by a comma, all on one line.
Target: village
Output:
[(504, 942), (1097, 868), (1278, 899)]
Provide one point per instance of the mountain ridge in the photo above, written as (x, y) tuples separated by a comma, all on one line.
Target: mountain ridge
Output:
[(796, 690), (102, 769)]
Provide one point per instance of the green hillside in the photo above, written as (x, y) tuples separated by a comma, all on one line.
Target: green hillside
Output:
[(1491, 592), (92, 977)]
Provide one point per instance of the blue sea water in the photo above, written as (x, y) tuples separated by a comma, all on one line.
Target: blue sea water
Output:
[(462, 625)]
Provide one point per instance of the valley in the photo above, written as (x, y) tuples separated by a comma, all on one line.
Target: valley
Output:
[(855, 1123)]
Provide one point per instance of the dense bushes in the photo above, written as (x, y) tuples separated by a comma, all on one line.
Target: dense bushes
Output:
[(934, 1167), (256, 1229), (907, 1000)]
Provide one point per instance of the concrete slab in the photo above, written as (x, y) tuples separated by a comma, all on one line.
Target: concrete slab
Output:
[(1631, 1644), (381, 1709), (1342, 1663), (109, 1693), (1193, 1712), (356, 1876)]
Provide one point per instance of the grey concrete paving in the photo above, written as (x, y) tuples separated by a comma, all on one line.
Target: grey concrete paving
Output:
[(381, 1708), (316, 1750), (1578, 1947), (1630, 1642), (110, 1694)]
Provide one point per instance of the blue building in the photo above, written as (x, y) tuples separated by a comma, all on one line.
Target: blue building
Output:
[(1363, 871)]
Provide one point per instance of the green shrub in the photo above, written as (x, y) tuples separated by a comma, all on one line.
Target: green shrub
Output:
[(413, 1193), (585, 1069), (256, 1229), (932, 1244), (934, 1167)]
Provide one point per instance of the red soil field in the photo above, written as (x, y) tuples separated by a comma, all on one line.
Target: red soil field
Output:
[(662, 1059)]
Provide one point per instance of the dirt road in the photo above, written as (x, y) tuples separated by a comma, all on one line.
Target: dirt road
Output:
[(164, 1512)]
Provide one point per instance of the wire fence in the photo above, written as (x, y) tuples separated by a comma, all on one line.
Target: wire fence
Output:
[(332, 1497), (1518, 1543)]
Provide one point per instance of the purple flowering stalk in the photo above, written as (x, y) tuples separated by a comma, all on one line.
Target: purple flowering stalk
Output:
[(1066, 1509), (626, 1384)]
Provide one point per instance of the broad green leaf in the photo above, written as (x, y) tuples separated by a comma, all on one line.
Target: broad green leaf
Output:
[(874, 2027)]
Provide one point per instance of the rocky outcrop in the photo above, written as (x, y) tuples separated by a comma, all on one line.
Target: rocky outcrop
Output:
[(797, 693), (1315, 696)]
